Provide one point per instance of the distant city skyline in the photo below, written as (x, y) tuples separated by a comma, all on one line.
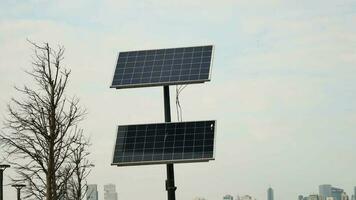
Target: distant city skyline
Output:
[(328, 192), (325, 191)]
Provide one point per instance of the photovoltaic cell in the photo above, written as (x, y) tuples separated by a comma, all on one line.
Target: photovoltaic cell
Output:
[(163, 67), (164, 143)]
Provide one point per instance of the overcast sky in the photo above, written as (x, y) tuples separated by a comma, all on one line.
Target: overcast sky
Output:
[(283, 87)]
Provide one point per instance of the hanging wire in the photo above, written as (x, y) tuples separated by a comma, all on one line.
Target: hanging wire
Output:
[(177, 103), (179, 89)]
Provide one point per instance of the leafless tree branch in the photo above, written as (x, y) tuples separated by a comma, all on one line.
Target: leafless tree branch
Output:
[(41, 136)]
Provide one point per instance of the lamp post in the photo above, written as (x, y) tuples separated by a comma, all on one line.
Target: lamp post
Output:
[(18, 188), (2, 168)]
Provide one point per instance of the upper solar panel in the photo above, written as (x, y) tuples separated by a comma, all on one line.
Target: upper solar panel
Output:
[(164, 143), (163, 67)]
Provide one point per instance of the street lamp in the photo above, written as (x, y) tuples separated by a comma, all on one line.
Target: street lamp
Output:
[(2, 168), (18, 188)]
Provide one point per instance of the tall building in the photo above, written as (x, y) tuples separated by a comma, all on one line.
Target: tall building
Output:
[(325, 191), (228, 197), (92, 192), (270, 194), (300, 197), (110, 192), (355, 193), (337, 193)]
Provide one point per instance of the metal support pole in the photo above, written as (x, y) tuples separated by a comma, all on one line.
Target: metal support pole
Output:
[(1, 182), (18, 194), (2, 168), (170, 187)]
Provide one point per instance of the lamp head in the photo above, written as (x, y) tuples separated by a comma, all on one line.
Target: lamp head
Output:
[(18, 186), (3, 167)]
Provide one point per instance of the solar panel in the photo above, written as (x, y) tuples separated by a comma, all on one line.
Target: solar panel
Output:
[(164, 143), (172, 66)]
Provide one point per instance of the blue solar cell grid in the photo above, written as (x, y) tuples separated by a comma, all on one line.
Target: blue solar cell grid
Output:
[(163, 67), (164, 143)]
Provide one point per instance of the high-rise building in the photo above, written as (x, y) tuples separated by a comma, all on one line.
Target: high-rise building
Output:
[(228, 197), (110, 192), (92, 192), (270, 194), (325, 191), (300, 197), (337, 193), (355, 193)]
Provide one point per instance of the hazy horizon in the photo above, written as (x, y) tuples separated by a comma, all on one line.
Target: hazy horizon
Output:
[(283, 88)]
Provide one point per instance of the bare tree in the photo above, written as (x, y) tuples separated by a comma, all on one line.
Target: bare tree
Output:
[(41, 137), (80, 169)]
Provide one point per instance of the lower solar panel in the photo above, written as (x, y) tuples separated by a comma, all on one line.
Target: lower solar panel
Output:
[(164, 143)]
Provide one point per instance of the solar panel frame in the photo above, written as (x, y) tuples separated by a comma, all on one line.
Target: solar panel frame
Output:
[(162, 83), (165, 161)]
